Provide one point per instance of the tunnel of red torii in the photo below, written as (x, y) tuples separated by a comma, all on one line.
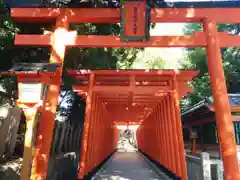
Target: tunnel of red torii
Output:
[(146, 98), (138, 97)]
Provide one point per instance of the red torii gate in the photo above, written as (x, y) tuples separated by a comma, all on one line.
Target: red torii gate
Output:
[(130, 96), (210, 38)]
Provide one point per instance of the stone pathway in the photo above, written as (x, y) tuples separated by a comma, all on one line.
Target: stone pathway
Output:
[(128, 166)]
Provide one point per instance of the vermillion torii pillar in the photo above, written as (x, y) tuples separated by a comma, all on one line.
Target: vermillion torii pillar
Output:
[(46, 126), (86, 128), (221, 102)]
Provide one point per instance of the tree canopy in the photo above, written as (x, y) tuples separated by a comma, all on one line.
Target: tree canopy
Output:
[(197, 59)]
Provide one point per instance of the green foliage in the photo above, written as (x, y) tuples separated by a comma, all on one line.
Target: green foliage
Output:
[(197, 59), (191, 28), (149, 59), (155, 63)]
